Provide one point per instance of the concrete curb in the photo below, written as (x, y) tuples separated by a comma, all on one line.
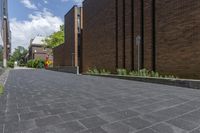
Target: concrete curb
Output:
[(194, 84), (66, 69)]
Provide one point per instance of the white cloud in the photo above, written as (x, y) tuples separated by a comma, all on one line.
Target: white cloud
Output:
[(78, 2), (41, 23), (45, 1), (28, 4)]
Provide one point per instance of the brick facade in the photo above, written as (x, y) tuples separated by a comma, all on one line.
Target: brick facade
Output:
[(99, 32), (39, 52), (169, 35), (69, 51), (58, 55)]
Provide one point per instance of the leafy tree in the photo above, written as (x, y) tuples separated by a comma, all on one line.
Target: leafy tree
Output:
[(19, 55), (55, 39)]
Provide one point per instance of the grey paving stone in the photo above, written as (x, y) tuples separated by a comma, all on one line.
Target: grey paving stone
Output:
[(116, 116), (160, 105), (117, 128), (193, 116), (94, 130), (31, 115), (1, 128), (71, 127), (154, 117), (196, 131), (147, 130), (39, 108), (71, 116), (174, 111), (17, 111), (46, 129), (58, 105), (11, 127), (9, 118), (137, 123), (54, 111), (107, 109), (93, 122), (183, 124), (89, 112), (90, 105), (50, 120), (108, 101), (166, 128), (26, 125)]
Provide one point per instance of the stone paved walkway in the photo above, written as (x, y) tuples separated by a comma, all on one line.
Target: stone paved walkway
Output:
[(39, 101)]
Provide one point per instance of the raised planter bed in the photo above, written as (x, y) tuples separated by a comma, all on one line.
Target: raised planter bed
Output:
[(195, 84)]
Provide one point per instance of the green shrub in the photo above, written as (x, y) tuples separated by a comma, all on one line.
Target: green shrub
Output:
[(10, 64), (36, 63), (122, 72), (30, 63), (147, 73), (1, 89), (95, 71), (104, 72)]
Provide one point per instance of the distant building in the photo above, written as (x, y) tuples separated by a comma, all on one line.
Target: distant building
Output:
[(68, 54), (5, 33), (37, 49)]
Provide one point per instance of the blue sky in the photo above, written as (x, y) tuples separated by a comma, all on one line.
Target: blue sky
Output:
[(29, 18)]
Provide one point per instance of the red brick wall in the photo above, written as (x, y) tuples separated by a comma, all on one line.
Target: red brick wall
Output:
[(58, 54), (41, 52), (178, 37), (69, 36), (98, 47), (128, 34), (148, 34)]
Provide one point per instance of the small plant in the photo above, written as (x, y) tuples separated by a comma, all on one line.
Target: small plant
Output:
[(95, 71), (122, 72), (1, 89), (10, 64), (104, 72), (36, 63), (146, 73)]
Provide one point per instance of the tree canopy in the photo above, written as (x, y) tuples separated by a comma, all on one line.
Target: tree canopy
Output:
[(56, 38), (19, 55)]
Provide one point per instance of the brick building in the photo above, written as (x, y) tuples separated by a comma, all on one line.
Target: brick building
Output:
[(160, 35), (68, 54), (37, 50)]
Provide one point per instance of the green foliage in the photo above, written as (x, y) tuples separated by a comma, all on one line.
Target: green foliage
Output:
[(36, 63), (18, 55), (1, 89), (95, 71), (122, 72), (146, 73), (55, 39), (10, 64), (104, 72)]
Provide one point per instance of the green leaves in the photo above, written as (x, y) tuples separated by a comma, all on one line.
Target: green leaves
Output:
[(36, 63), (18, 55), (55, 39), (1, 89)]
